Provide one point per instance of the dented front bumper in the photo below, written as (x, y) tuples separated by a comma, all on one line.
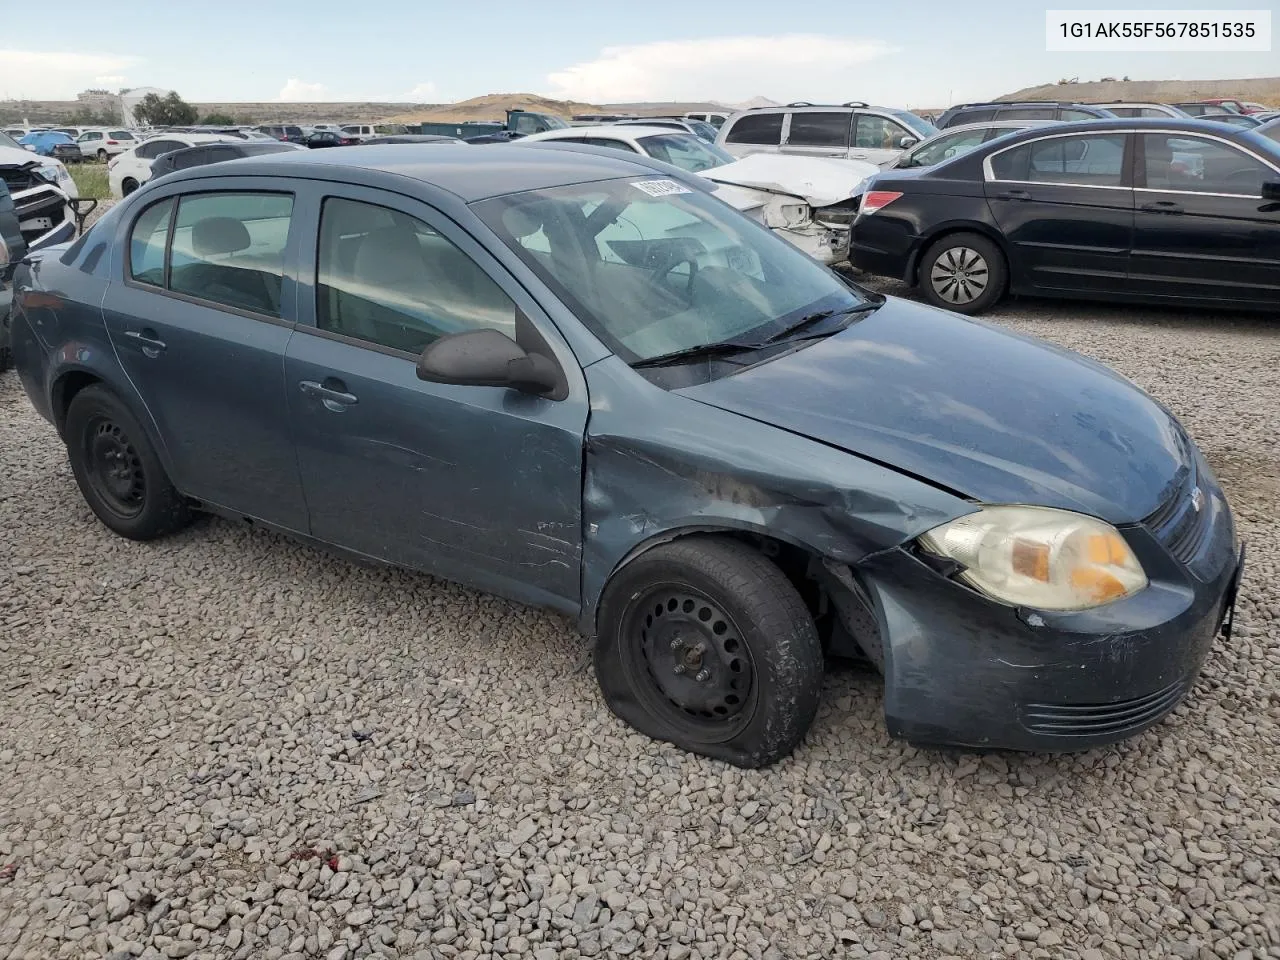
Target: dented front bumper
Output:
[(826, 240), (963, 670)]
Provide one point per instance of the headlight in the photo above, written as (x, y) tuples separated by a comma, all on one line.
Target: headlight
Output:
[(1039, 557), (55, 173)]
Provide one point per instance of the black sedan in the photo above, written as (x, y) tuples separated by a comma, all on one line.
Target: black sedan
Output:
[(1155, 211), (204, 153), (318, 139)]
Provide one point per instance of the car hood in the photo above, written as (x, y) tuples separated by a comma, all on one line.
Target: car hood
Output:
[(13, 156), (993, 416), (819, 181)]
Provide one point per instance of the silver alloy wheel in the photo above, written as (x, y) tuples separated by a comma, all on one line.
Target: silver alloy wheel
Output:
[(959, 275)]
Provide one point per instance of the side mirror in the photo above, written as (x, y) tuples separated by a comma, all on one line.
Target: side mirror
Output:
[(1271, 191), (906, 143), (487, 358)]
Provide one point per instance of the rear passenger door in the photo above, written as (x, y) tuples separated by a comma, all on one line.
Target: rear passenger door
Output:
[(199, 314), (481, 485), (1065, 205), (819, 133)]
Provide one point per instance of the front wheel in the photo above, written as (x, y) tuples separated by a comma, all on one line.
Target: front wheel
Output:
[(964, 272), (117, 469), (128, 186), (705, 644)]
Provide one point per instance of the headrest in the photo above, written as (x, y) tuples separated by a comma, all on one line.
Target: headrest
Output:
[(219, 235), (389, 256)]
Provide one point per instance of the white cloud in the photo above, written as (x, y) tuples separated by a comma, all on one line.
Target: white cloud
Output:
[(111, 80), (425, 92), (51, 75), (299, 91), (722, 68)]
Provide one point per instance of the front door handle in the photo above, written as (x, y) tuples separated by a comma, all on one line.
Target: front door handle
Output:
[(1161, 206), (1014, 195), (332, 393), (148, 340)]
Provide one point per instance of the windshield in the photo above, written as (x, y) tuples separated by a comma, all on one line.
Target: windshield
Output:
[(920, 126), (703, 129), (652, 266), (685, 150), (554, 123)]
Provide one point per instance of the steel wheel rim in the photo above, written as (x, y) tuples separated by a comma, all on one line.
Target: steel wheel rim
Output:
[(960, 275), (690, 663), (115, 469)]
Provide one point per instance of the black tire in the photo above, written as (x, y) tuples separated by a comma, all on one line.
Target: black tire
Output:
[(117, 469), (963, 272), (102, 156), (713, 606), (127, 186)]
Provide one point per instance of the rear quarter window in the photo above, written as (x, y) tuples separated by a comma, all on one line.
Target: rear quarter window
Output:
[(764, 129)]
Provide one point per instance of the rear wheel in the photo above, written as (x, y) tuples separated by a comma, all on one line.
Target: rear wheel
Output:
[(117, 469), (128, 186), (964, 272), (705, 644)]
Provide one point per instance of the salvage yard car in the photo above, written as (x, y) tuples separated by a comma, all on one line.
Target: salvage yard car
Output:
[(558, 377), (42, 192), (811, 201), (1148, 211), (849, 131)]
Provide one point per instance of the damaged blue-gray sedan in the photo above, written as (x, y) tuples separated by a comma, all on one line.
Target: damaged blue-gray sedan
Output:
[(579, 382)]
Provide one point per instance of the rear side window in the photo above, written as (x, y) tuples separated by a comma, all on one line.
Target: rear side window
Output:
[(1096, 160), (819, 130), (1032, 113), (229, 248), (154, 148), (1070, 113), (973, 116), (764, 129), (147, 242), (190, 158), (389, 279)]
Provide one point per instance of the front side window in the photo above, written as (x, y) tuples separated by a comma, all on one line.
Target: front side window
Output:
[(920, 125), (819, 130), (154, 148), (1190, 164), (652, 266), (147, 242), (944, 148), (873, 132), (1095, 160), (686, 151), (764, 129), (388, 278), (229, 248)]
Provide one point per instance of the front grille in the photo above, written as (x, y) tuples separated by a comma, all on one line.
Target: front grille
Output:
[(1180, 523), (1096, 719), (18, 178), (40, 203)]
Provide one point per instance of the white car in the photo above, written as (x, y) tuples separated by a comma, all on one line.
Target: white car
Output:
[(42, 190), (105, 144), (127, 171), (810, 201)]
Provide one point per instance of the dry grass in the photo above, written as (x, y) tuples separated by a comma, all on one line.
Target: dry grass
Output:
[(1263, 90)]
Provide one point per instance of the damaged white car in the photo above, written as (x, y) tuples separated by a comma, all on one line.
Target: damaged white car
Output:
[(43, 194), (811, 201)]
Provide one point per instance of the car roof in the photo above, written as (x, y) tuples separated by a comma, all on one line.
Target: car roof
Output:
[(633, 130), (999, 125), (1240, 135), (468, 171)]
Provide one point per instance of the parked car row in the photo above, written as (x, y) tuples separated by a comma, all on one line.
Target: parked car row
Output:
[(570, 375)]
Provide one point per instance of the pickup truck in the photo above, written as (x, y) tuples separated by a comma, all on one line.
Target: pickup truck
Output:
[(519, 123)]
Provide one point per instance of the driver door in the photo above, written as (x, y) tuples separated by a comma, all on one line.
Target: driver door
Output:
[(480, 485), (1203, 229)]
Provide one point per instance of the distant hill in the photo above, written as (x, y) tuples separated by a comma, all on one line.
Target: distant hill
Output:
[(493, 106), (1265, 90)]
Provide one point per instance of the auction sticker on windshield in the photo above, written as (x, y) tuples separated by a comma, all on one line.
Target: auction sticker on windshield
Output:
[(660, 188)]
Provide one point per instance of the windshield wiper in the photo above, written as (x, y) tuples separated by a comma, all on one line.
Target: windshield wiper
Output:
[(813, 319), (702, 351)]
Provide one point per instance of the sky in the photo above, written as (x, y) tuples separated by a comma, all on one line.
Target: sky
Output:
[(911, 53)]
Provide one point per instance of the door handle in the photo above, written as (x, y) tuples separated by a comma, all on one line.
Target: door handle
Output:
[(147, 339), (1014, 195), (332, 393), (1161, 206)]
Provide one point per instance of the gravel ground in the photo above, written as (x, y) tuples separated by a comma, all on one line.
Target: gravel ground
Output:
[(229, 745)]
